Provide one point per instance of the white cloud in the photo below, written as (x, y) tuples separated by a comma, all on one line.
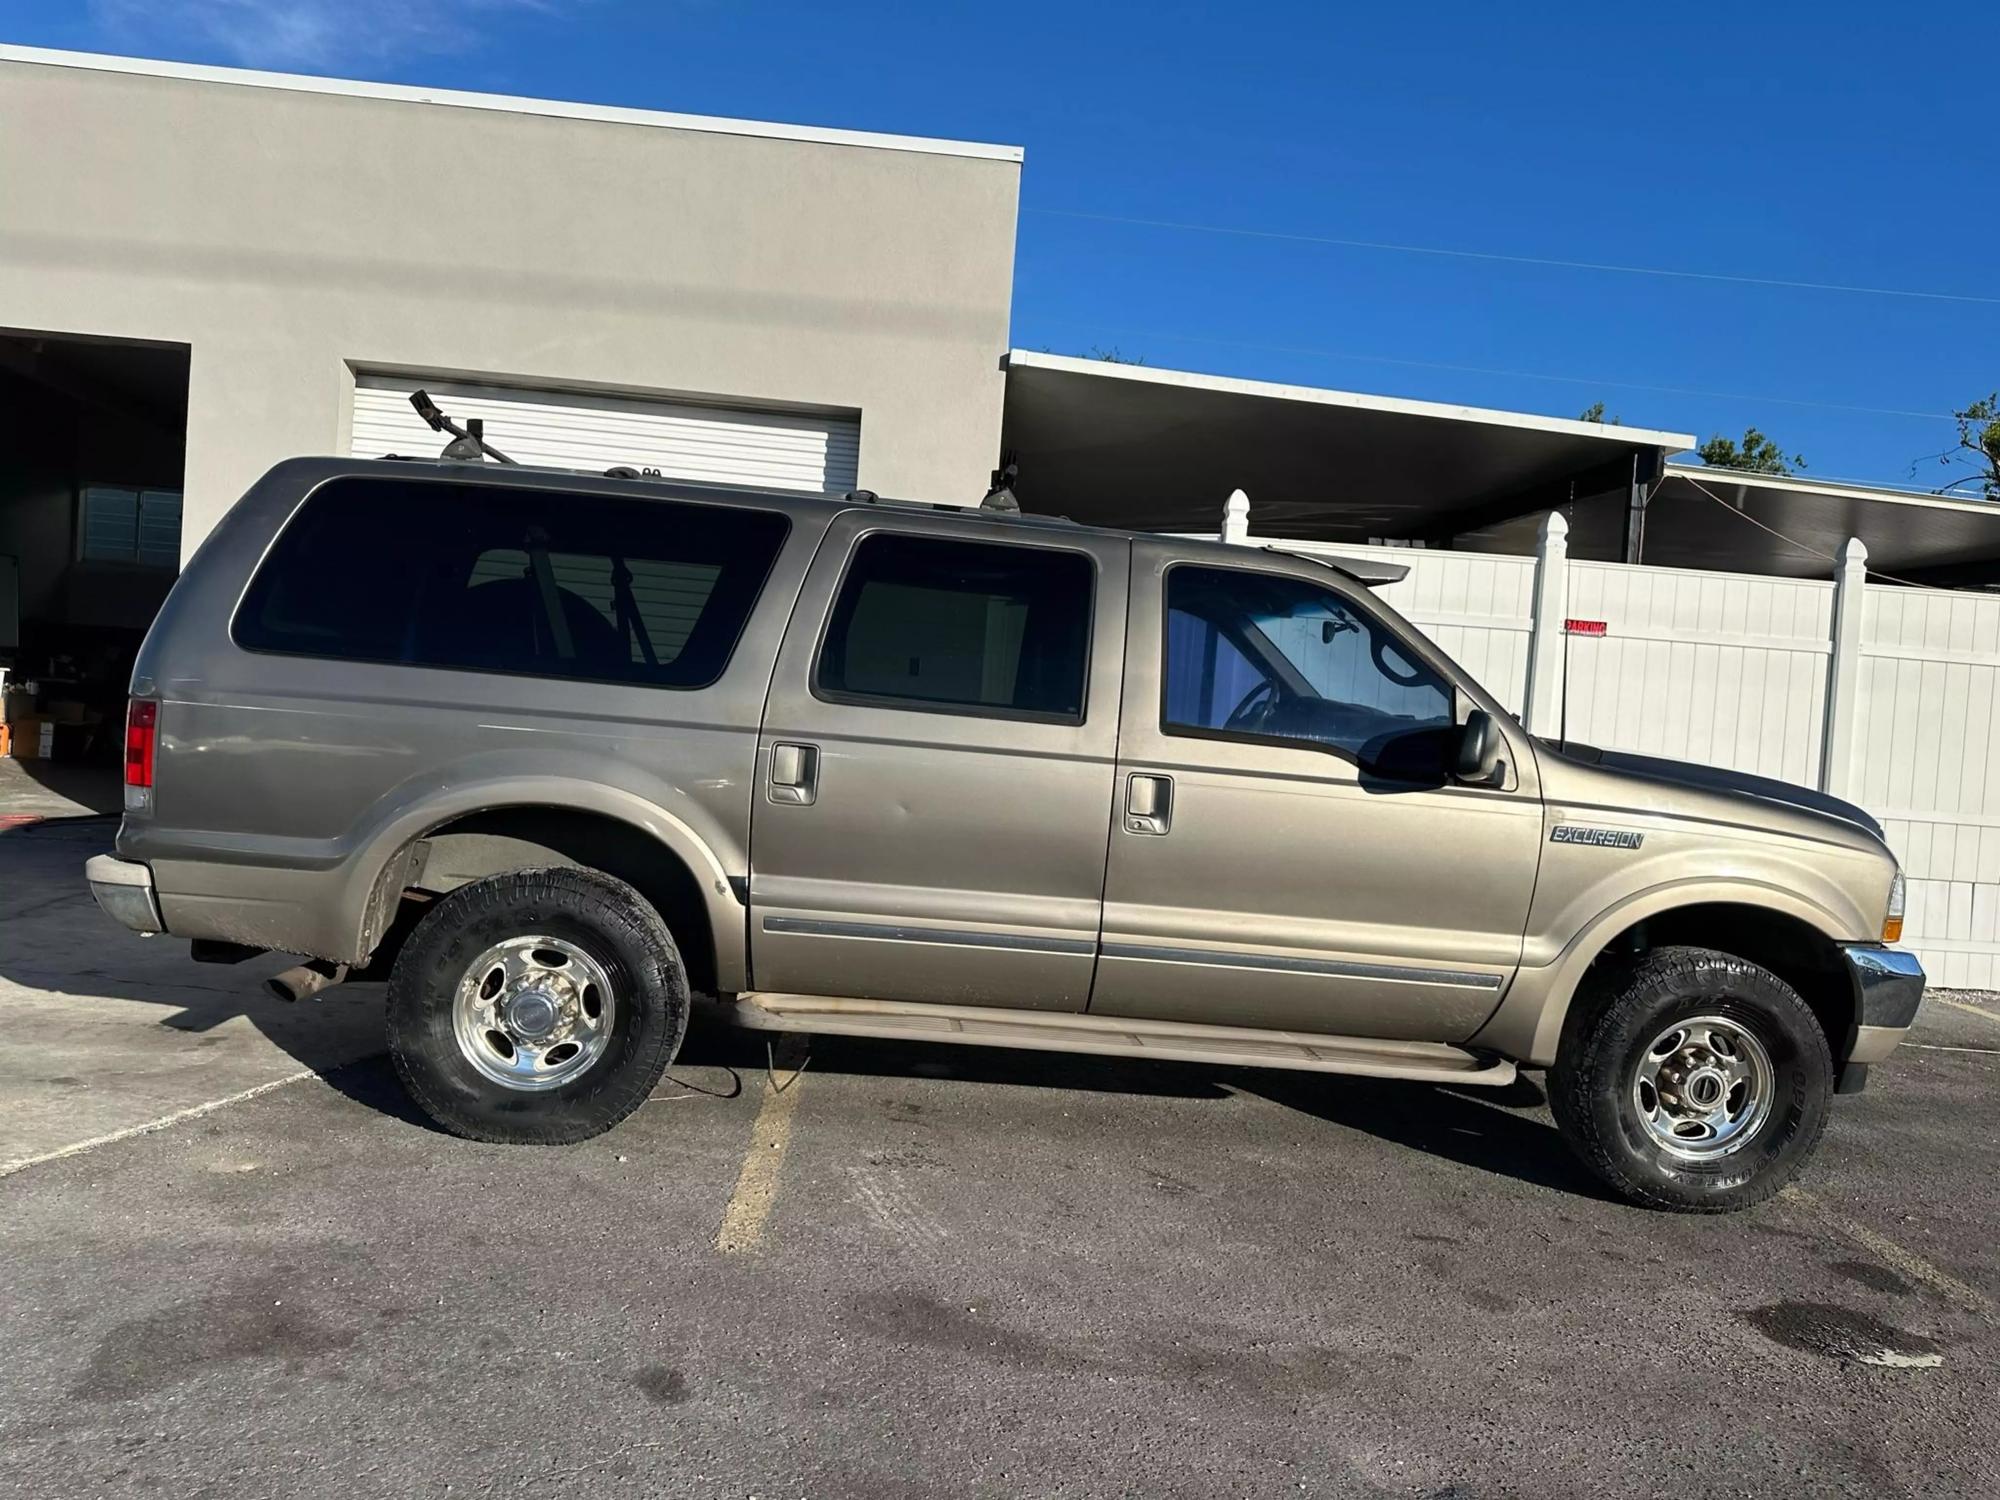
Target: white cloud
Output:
[(309, 33)]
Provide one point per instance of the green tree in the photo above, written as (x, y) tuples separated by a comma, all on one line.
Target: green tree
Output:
[(1978, 446), (1757, 455), (1595, 413)]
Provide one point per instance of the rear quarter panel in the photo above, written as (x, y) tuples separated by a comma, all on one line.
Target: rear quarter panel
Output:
[(284, 784)]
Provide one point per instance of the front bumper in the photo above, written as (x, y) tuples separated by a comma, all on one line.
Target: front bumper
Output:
[(1888, 988), (124, 889)]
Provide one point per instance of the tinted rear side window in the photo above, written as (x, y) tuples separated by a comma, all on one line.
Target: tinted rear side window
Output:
[(489, 579), (968, 625)]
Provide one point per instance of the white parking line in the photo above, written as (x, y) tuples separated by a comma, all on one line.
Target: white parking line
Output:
[(193, 1112)]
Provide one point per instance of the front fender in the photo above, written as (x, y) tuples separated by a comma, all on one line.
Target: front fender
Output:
[(1528, 1024)]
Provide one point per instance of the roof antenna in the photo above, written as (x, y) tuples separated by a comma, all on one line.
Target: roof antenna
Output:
[(468, 444)]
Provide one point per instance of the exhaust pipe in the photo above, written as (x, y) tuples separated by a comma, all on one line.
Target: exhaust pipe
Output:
[(307, 980)]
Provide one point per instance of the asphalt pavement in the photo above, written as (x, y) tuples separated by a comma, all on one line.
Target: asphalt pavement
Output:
[(938, 1271)]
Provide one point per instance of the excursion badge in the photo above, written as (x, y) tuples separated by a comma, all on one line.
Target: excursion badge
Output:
[(1602, 838)]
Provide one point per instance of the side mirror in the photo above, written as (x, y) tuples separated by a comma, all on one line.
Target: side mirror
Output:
[(1479, 749)]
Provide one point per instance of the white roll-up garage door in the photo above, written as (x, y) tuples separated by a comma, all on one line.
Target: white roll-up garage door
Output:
[(578, 430)]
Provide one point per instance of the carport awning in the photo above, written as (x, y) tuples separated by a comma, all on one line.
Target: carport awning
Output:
[(1905, 532), (1160, 450), (1782, 525)]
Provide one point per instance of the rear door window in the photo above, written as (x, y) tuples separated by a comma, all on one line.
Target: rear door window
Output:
[(503, 579), (972, 627)]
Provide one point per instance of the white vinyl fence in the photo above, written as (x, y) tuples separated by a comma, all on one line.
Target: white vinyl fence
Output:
[(1886, 696)]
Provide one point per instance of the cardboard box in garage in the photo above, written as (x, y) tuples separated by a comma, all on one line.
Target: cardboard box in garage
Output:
[(31, 739)]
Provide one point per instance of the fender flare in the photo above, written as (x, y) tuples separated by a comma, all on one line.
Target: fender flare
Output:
[(1527, 1026), (376, 854)]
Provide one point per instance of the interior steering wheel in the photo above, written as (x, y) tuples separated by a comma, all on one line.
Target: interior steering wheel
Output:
[(1254, 706), (1411, 676)]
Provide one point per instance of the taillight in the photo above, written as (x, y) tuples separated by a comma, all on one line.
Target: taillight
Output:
[(142, 737)]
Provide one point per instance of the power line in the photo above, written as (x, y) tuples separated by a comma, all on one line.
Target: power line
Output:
[(1790, 541), (1517, 260), (1618, 385)]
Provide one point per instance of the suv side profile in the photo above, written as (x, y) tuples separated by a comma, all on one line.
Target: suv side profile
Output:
[(562, 753)]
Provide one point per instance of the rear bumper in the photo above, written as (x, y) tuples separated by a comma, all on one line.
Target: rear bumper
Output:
[(1888, 989), (124, 889)]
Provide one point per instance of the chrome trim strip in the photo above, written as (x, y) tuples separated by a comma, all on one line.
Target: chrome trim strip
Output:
[(949, 937), (1333, 967)]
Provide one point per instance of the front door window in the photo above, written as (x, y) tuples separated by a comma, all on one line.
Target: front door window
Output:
[(1264, 656)]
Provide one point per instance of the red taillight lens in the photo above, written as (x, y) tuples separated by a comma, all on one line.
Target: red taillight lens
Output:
[(142, 733)]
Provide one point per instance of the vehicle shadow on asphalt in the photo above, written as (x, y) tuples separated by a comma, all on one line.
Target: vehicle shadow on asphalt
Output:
[(1496, 1130), (1492, 1130), (717, 1044), (57, 941), (56, 944)]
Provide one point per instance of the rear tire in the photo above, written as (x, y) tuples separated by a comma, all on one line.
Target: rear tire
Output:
[(538, 1007), (1692, 1080)]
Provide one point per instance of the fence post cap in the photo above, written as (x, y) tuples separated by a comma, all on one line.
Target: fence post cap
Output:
[(1553, 528), (1853, 553), (1236, 517)]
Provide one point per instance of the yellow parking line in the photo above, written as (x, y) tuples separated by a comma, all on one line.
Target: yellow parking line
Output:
[(757, 1185), (1971, 1010), (1890, 1253)]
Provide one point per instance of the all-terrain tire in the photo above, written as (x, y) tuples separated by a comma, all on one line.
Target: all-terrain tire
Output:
[(1594, 1089), (614, 926)]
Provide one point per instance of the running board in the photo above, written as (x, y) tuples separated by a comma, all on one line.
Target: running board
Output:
[(1118, 1036)]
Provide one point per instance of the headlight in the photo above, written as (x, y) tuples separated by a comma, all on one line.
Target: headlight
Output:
[(1892, 920)]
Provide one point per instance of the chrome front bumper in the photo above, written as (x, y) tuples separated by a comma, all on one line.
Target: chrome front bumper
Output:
[(1888, 988), (124, 889)]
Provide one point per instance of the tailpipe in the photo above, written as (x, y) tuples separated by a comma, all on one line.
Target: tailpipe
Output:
[(307, 980)]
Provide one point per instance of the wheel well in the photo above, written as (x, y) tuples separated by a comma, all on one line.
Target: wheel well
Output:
[(521, 838), (1795, 951)]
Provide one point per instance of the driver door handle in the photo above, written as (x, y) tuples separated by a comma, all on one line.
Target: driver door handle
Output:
[(794, 773), (1149, 804)]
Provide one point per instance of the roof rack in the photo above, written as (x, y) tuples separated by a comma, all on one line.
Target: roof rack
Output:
[(468, 443)]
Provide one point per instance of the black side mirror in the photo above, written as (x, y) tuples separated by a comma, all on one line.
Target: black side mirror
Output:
[(1479, 749)]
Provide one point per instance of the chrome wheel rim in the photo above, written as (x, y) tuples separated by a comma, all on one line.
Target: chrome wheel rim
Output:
[(1703, 1088), (533, 1013)]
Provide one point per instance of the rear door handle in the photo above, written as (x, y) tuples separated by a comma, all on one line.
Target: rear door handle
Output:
[(794, 773), (1149, 804)]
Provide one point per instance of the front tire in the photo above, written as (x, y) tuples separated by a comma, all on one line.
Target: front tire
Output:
[(538, 1007), (1693, 1081)]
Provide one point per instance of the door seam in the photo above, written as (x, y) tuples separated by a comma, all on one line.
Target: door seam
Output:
[(1112, 822)]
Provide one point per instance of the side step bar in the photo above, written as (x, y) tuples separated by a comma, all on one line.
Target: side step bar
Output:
[(1118, 1036)]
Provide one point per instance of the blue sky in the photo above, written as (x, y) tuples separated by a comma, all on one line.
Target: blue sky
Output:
[(1837, 143)]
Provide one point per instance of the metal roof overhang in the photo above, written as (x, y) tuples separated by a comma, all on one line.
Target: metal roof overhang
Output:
[(1788, 526), (1160, 450)]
